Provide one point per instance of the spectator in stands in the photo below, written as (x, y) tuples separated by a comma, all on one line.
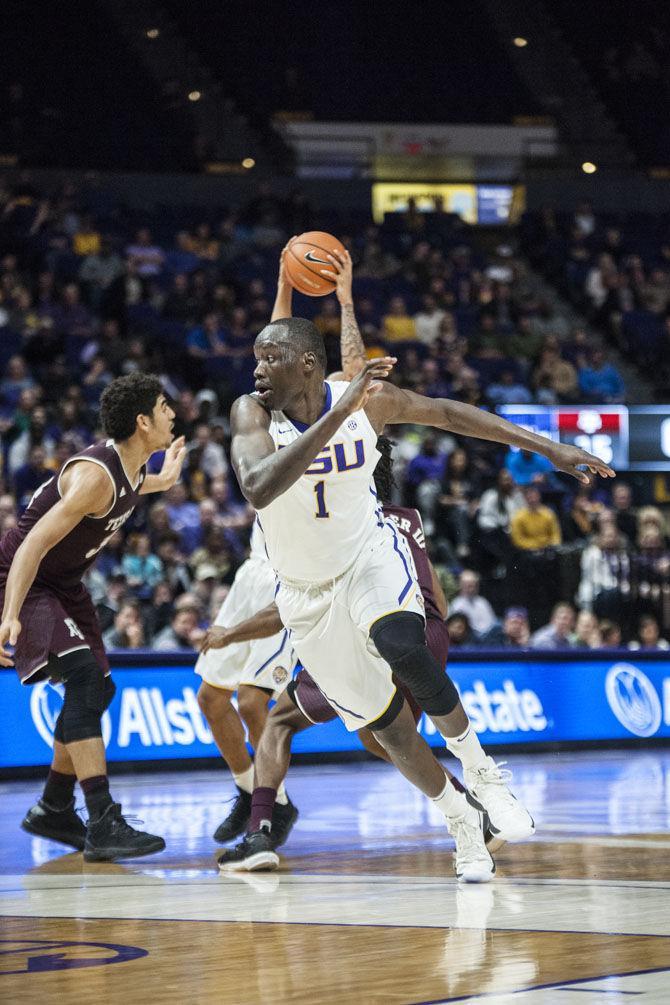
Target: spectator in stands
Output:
[(175, 569), (143, 570), (651, 519), (580, 520), (507, 390), (557, 634), (33, 435), (528, 468), (622, 505), (143, 256), (17, 378), (461, 635), (597, 282), (204, 245), (601, 382), (457, 502), (397, 325), (428, 465), (116, 592), (513, 633), (71, 318), (207, 342), (158, 613), (99, 270), (649, 635), (205, 460), (29, 477), (497, 506), (468, 601), (127, 632), (561, 375), (524, 345), (587, 631), (179, 305), (215, 554), (534, 526), (427, 321), (610, 634), (182, 635), (184, 516)]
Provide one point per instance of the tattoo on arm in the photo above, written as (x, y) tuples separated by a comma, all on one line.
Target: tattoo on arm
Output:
[(351, 344)]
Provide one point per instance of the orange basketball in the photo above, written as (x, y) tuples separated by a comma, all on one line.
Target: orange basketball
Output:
[(305, 257)]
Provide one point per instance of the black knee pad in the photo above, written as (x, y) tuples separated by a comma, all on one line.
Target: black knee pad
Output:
[(400, 639), (85, 697)]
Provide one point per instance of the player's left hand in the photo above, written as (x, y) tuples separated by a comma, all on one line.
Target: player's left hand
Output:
[(570, 459), (173, 461), (341, 274), (215, 638), (10, 629)]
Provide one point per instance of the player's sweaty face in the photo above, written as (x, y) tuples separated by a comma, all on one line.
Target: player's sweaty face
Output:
[(276, 376)]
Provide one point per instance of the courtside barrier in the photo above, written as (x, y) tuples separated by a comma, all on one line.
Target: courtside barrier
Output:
[(528, 698)]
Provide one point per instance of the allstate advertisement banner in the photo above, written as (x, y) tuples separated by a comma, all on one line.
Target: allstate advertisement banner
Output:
[(155, 713)]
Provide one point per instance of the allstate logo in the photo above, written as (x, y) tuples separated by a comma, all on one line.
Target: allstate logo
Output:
[(45, 705), (633, 699)]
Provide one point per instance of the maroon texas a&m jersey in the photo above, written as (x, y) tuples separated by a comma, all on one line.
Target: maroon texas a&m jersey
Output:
[(64, 565), (409, 523)]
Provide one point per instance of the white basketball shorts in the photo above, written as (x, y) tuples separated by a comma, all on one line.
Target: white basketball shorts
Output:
[(329, 625), (266, 663)]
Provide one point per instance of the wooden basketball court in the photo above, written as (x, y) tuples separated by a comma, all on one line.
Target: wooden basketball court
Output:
[(364, 908)]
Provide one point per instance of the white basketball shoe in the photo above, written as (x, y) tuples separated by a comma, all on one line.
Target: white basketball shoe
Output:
[(508, 819), (472, 861)]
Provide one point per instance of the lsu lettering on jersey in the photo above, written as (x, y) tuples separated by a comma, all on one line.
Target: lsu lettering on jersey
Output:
[(315, 530)]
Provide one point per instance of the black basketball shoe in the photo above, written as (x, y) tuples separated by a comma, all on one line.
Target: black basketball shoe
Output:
[(283, 818), (111, 837), (65, 825), (237, 820), (254, 854)]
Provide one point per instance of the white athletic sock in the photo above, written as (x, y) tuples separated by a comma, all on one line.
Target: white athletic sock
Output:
[(281, 795), (245, 780), (467, 748), (450, 801)]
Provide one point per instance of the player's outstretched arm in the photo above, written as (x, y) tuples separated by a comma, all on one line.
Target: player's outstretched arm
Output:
[(260, 625), (87, 491), (264, 473), (171, 470), (398, 405), (352, 349), (283, 306)]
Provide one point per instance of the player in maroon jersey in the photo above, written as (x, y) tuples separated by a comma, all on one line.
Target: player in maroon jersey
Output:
[(48, 615)]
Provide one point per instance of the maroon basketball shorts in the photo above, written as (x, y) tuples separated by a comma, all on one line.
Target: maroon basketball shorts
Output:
[(314, 705), (54, 625)]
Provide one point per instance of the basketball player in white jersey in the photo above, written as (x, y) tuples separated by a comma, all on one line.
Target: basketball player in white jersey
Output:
[(304, 451), (257, 668)]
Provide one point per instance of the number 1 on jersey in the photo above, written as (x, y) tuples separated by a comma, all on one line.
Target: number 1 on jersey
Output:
[(321, 511)]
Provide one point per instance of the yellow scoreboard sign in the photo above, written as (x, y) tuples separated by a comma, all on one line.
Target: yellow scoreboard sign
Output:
[(487, 204)]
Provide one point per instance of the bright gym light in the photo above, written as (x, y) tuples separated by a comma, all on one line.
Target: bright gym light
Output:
[(588, 167), (152, 32), (248, 163), (194, 95), (520, 42)]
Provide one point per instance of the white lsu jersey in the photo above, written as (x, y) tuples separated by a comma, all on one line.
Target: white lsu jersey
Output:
[(315, 530)]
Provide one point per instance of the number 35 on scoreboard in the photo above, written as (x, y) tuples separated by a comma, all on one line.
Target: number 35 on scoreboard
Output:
[(603, 432)]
